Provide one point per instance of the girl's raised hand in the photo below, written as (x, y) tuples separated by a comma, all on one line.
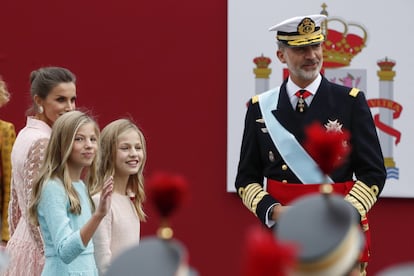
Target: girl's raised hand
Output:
[(106, 195)]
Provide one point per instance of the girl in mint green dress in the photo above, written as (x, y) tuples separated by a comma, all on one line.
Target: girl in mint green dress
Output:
[(61, 202)]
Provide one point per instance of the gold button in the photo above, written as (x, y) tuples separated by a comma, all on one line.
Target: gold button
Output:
[(375, 189), (284, 167), (284, 181)]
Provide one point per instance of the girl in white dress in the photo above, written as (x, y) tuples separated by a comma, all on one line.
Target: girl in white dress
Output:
[(123, 156)]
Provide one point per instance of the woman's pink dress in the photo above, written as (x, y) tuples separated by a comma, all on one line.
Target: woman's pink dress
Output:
[(25, 247)]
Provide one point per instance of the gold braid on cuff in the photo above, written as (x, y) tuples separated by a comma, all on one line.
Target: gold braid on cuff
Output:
[(362, 197), (251, 195)]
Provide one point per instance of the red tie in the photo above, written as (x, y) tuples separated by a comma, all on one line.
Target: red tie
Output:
[(301, 106)]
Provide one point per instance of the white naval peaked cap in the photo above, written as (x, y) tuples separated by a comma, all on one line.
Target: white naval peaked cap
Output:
[(300, 30)]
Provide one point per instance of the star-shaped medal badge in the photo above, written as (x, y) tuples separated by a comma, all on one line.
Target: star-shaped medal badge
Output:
[(334, 126)]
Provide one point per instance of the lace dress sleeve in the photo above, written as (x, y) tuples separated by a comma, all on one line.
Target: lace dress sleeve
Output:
[(30, 172), (14, 211)]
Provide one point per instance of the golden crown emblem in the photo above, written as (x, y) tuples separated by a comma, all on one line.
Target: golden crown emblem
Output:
[(262, 61), (341, 45), (386, 64)]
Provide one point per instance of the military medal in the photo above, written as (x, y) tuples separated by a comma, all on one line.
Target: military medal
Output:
[(301, 104), (333, 125)]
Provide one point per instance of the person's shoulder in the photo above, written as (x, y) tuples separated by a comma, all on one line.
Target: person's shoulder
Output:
[(345, 90), (7, 131), (52, 192), (254, 99), (29, 136), (354, 92), (53, 185), (6, 125)]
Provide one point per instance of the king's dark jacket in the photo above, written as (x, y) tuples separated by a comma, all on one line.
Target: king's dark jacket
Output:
[(259, 157)]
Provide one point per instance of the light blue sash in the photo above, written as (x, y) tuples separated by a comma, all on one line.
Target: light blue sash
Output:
[(295, 156)]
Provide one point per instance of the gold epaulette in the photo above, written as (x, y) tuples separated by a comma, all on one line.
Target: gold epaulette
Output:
[(255, 99), (354, 92)]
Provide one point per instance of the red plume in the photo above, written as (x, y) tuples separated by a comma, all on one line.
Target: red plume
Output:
[(265, 255), (328, 148), (167, 192)]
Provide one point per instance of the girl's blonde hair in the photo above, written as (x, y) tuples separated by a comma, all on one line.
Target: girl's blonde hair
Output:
[(109, 145), (55, 163)]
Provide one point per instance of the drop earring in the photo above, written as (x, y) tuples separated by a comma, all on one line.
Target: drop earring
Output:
[(40, 109)]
